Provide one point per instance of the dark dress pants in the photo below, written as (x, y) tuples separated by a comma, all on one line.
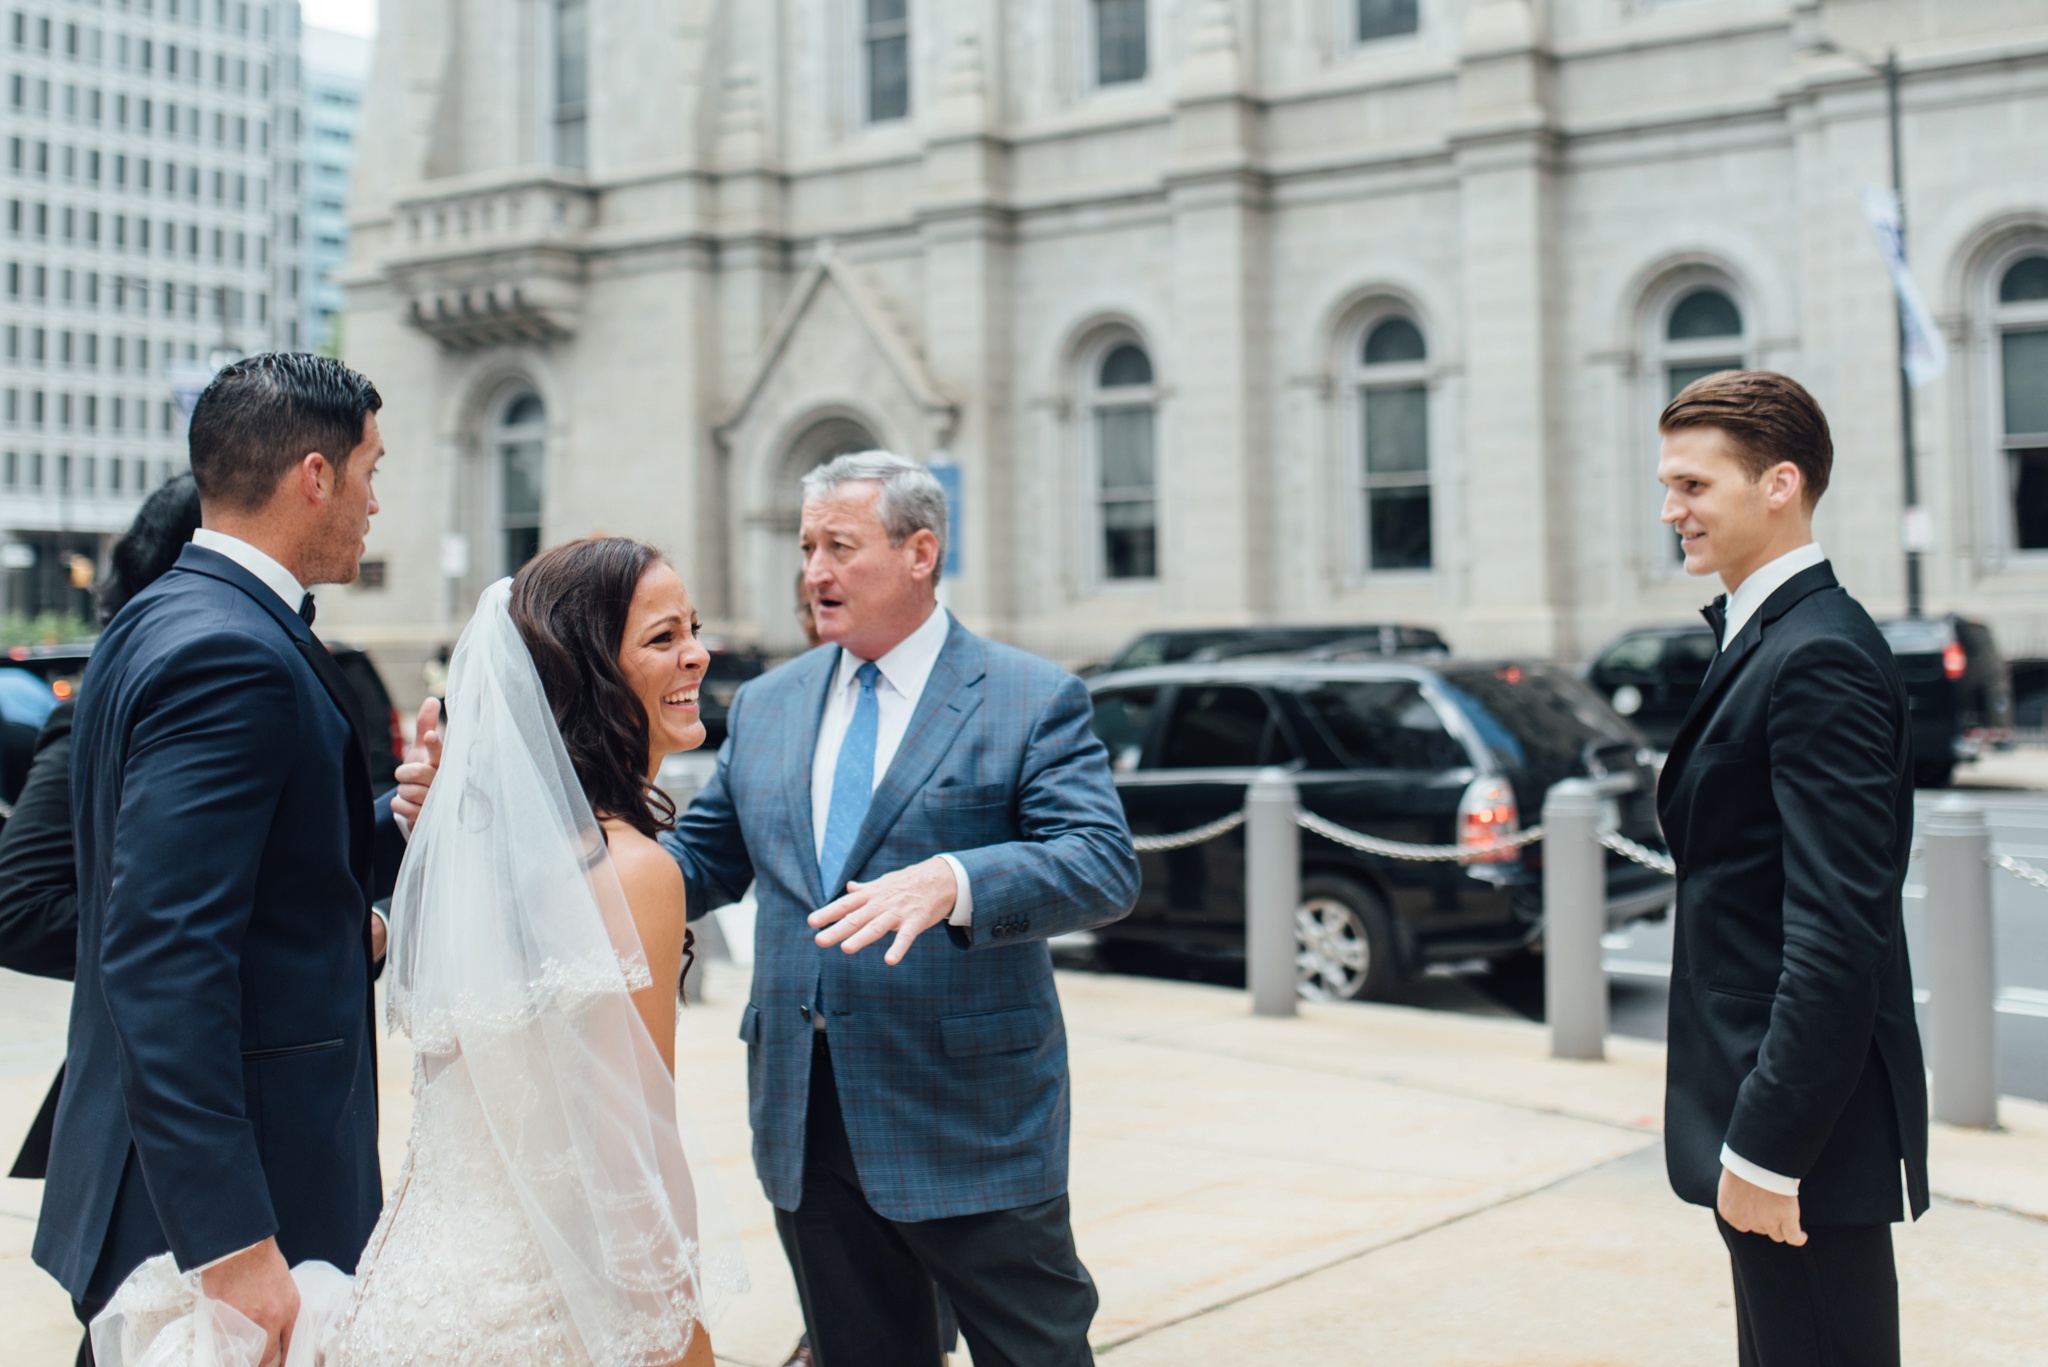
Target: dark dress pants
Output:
[(867, 1282), (1832, 1303)]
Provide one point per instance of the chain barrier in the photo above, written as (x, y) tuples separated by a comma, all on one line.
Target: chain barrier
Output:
[(1394, 849), (2026, 873), (1166, 844), (1642, 854)]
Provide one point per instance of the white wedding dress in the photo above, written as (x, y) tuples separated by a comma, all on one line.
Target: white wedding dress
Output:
[(545, 1215)]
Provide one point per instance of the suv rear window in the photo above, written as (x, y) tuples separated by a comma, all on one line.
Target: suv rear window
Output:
[(1382, 724), (1917, 635), (1533, 716)]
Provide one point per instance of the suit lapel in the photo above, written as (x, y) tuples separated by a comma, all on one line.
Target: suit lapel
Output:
[(797, 771), (951, 695), (1728, 663)]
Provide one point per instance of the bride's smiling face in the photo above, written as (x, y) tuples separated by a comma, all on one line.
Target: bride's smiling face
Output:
[(664, 661)]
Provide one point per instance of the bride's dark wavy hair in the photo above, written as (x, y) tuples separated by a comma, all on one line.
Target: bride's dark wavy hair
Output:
[(570, 605)]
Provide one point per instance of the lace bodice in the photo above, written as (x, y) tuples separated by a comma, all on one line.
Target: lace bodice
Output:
[(453, 1274)]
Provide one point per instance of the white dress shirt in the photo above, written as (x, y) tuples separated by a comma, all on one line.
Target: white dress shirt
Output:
[(1743, 603), (280, 580), (1756, 590), (903, 671)]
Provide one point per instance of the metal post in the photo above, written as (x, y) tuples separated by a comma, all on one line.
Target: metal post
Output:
[(1961, 976), (1908, 456), (1272, 883), (1574, 919)]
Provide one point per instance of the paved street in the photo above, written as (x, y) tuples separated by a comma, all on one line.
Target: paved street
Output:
[(1417, 1188)]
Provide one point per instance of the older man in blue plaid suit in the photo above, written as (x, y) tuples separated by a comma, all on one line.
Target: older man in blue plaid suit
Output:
[(910, 1105)]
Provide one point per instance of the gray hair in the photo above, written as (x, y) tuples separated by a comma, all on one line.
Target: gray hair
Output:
[(912, 500)]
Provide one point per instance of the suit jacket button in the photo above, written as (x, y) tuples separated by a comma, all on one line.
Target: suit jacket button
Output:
[(804, 1011)]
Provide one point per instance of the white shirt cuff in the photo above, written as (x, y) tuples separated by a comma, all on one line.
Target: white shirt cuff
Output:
[(963, 895), (208, 1267), (1756, 1176), (404, 827)]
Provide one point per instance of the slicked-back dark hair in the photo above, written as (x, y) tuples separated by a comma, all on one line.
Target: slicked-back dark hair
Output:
[(151, 544), (264, 414), (1770, 418), (570, 605)]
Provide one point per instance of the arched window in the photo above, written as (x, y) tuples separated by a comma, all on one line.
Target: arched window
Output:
[(1703, 334), (1700, 333), (2021, 321), (572, 82), (1390, 380), (518, 453), (1120, 48), (1123, 404)]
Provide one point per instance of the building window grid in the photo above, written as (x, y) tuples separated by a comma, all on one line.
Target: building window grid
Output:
[(2019, 316), (1391, 391), (1118, 41), (519, 454), (571, 54)]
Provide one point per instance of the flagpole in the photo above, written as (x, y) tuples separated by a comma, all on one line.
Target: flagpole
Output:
[(1908, 457)]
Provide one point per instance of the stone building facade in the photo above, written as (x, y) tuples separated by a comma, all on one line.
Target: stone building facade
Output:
[(1224, 310)]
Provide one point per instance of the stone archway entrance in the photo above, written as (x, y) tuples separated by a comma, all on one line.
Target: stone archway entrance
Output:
[(777, 561)]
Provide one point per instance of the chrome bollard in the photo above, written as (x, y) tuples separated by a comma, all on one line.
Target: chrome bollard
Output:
[(1272, 883), (1574, 919), (1962, 981)]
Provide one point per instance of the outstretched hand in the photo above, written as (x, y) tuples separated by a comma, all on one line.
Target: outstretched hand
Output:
[(1751, 1209), (422, 762), (909, 902)]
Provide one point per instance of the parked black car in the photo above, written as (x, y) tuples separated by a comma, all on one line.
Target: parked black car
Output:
[(62, 666), (1424, 754), (1225, 643), (1957, 686)]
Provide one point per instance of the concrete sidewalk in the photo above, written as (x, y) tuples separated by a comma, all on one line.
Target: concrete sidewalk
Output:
[(1362, 1184)]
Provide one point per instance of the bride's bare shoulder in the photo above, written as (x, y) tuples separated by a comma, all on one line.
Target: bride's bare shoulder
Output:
[(653, 882)]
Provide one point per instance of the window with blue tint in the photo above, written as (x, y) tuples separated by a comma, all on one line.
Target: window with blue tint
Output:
[(1127, 504), (885, 50), (1387, 18), (572, 83), (1120, 50), (521, 443), (1704, 313), (1393, 407)]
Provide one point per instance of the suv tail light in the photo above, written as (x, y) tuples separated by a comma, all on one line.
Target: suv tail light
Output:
[(1955, 661), (1487, 813)]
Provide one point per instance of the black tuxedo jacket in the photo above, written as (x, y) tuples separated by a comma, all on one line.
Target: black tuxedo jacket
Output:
[(1787, 802), (222, 1069)]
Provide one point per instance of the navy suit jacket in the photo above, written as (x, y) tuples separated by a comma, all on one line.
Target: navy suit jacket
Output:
[(952, 1065), (221, 1043)]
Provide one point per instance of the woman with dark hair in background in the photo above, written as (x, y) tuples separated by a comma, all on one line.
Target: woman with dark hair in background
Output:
[(38, 874)]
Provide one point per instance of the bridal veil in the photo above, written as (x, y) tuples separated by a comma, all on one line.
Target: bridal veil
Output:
[(512, 948)]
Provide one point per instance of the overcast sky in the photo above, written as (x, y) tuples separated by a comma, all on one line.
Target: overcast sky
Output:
[(350, 16)]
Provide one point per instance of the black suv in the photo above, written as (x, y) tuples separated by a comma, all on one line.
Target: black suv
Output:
[(1227, 643), (1958, 688), (1424, 754)]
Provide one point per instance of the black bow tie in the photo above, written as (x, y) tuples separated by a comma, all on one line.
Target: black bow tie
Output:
[(306, 609), (1715, 612)]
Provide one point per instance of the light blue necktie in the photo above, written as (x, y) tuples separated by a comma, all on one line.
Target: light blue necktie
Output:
[(853, 783)]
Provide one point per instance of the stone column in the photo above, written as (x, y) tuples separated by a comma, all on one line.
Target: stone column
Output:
[(1215, 501), (1504, 148), (966, 274)]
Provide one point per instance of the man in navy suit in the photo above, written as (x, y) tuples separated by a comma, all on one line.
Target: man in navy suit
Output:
[(909, 1104), (221, 1101)]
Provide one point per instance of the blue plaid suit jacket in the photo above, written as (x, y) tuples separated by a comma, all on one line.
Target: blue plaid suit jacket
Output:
[(952, 1065)]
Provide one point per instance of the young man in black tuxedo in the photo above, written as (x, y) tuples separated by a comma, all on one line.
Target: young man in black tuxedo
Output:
[(1796, 1096)]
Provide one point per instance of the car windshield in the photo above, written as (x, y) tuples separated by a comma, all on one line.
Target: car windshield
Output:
[(1916, 635), (1533, 716)]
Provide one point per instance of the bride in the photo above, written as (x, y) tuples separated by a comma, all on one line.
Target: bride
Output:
[(545, 1215)]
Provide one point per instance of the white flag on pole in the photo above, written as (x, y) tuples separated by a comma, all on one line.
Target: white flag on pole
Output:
[(1926, 350)]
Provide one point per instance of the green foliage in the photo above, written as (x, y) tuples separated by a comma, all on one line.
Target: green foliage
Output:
[(44, 629)]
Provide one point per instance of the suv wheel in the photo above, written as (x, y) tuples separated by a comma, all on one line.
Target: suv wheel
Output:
[(1344, 951)]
